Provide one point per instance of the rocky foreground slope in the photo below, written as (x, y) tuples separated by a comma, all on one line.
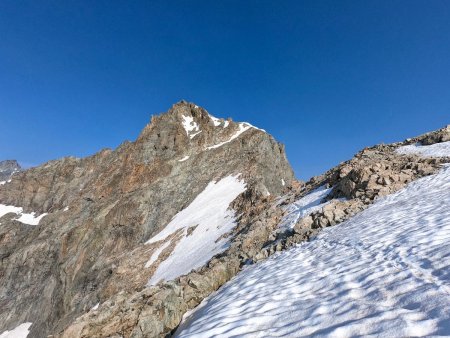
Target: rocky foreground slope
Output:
[(116, 235)]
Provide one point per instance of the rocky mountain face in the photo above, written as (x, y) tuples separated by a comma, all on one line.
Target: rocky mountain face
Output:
[(84, 225), (125, 242), (7, 169), (265, 225)]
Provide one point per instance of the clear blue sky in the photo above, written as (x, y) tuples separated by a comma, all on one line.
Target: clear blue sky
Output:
[(324, 77)]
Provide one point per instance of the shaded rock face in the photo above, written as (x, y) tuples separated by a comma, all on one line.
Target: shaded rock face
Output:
[(7, 169), (102, 209)]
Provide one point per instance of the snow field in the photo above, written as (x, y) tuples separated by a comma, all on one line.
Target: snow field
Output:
[(385, 273), (203, 222)]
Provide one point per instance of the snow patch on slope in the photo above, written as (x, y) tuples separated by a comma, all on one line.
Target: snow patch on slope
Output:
[(304, 206), (20, 331), (384, 272), (433, 150), (217, 122), (190, 126), (30, 219), (203, 222), (156, 254)]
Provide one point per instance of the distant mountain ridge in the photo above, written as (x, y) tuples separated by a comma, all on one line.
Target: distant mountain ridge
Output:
[(8, 168)]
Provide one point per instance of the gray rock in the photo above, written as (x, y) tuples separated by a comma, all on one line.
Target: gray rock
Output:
[(8, 168)]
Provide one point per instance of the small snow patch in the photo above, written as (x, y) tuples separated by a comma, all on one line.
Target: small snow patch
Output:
[(433, 150), (20, 331), (156, 254), (190, 126), (183, 159), (283, 183), (66, 209), (95, 307), (217, 122), (30, 219)]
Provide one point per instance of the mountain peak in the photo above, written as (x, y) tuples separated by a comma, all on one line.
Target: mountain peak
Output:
[(8, 168)]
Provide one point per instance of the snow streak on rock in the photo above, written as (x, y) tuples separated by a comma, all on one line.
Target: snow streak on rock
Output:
[(242, 127), (202, 223), (385, 272)]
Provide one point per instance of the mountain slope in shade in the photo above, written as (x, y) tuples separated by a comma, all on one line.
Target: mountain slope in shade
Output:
[(384, 272)]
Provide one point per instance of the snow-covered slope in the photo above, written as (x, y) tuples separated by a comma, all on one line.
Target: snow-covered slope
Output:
[(203, 224), (384, 272), (434, 150), (20, 331)]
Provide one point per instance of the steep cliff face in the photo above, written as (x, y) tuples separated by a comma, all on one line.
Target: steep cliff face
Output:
[(75, 232)]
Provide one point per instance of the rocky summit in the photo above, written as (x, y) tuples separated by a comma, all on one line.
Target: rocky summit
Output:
[(128, 242)]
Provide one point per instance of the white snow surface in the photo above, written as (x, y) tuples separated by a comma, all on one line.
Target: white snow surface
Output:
[(433, 150), (30, 219), (305, 206), (156, 254), (385, 273), (20, 331), (183, 159), (190, 126), (217, 122), (2, 182), (209, 212)]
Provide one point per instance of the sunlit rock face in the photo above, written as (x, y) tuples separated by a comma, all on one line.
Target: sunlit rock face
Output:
[(97, 213)]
